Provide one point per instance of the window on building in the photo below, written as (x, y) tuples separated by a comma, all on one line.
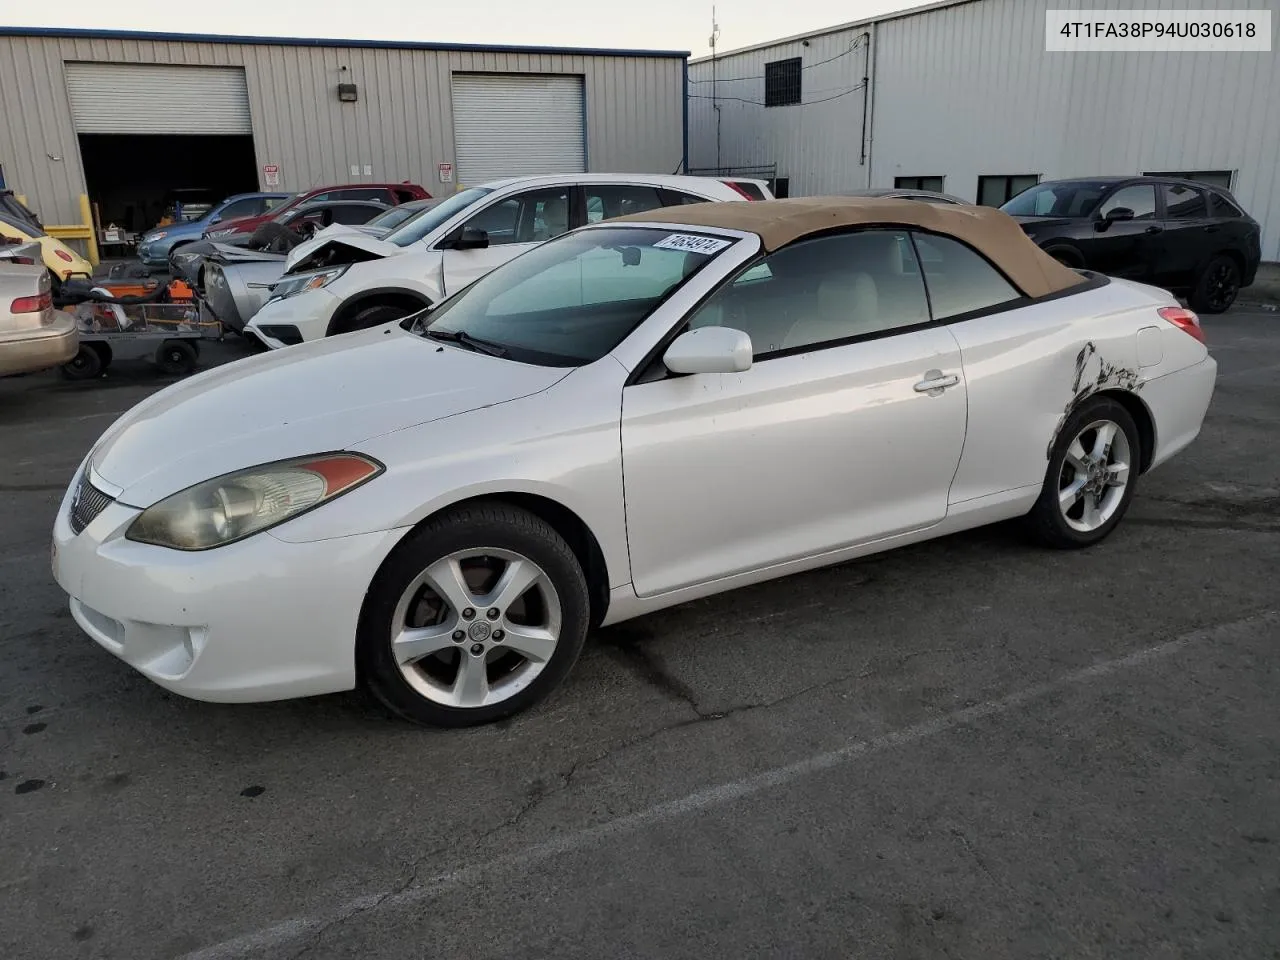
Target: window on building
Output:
[(996, 190), (1215, 178), (960, 279), (1184, 203), (919, 183), (1138, 197), (782, 82)]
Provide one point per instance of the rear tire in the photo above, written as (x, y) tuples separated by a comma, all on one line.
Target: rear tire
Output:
[(488, 545), (1218, 286), (1092, 474), (85, 365), (176, 358)]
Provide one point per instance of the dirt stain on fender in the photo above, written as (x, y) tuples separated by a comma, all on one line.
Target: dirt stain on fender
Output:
[(1083, 386)]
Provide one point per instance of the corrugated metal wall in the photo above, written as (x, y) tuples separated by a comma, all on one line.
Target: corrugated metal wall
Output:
[(968, 90), (817, 143), (402, 125)]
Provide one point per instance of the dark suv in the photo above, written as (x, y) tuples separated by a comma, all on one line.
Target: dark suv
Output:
[(1189, 238)]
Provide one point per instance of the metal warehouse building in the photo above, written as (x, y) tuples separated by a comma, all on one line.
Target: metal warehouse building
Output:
[(128, 118), (962, 97)]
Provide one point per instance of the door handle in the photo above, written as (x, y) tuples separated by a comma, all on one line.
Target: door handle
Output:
[(1154, 230), (935, 381)]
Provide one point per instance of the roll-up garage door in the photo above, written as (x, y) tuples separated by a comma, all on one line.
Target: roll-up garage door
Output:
[(158, 98), (511, 125)]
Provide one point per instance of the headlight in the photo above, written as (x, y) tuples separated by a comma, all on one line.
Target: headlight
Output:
[(290, 286), (240, 504), (153, 237)]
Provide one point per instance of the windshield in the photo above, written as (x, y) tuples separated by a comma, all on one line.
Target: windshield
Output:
[(1075, 198), (414, 230), (406, 211), (570, 301)]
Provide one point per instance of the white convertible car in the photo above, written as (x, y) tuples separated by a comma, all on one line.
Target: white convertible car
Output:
[(638, 413)]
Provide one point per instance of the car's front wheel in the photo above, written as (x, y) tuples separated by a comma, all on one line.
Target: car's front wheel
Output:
[(477, 615), (1093, 471)]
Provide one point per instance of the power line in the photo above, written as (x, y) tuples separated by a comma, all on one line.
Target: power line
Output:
[(761, 103), (857, 42)]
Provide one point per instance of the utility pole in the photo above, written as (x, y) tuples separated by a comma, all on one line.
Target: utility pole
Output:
[(715, 106)]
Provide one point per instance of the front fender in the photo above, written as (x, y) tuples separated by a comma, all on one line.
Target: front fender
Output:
[(563, 444)]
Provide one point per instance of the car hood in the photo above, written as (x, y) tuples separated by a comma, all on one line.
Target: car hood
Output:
[(334, 250), (230, 253), (313, 398)]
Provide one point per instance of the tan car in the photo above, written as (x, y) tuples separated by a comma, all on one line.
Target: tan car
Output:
[(33, 336)]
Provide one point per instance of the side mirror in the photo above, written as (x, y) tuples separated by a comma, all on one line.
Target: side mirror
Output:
[(709, 350), (1117, 215), (471, 239)]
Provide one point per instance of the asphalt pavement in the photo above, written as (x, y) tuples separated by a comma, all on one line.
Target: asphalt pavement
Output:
[(971, 748)]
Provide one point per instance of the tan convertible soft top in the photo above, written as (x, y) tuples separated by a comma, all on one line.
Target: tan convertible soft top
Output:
[(779, 222)]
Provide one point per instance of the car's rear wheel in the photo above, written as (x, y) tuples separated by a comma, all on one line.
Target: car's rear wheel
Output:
[(1091, 477), (478, 615), (1218, 286), (85, 365)]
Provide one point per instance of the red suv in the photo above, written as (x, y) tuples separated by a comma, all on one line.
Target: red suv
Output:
[(392, 194)]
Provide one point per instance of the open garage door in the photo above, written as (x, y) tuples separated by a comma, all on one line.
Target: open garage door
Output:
[(511, 125), (161, 142), (156, 98)]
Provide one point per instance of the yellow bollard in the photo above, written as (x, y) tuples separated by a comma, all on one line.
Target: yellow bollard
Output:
[(87, 216)]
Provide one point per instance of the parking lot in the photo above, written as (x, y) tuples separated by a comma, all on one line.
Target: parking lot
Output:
[(969, 748)]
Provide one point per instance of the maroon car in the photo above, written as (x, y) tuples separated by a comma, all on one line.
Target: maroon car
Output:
[(392, 194)]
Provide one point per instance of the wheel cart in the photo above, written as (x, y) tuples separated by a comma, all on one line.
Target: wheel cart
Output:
[(168, 333)]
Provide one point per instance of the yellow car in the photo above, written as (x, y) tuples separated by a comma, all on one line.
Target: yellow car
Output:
[(62, 261)]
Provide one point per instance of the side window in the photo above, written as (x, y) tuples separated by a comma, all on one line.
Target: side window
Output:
[(270, 203), (525, 218), (248, 207), (960, 279), (324, 197), (1139, 197), (606, 201), (822, 291), (353, 213), (1183, 203), (404, 196), (1222, 207)]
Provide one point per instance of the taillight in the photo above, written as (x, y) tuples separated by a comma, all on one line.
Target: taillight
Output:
[(1184, 320), (63, 255), (737, 188), (25, 261), (32, 304)]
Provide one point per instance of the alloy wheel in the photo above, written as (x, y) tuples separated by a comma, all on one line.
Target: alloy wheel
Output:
[(1223, 286), (1094, 475), (476, 627)]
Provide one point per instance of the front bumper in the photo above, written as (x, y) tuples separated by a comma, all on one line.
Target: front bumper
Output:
[(257, 620), (32, 350), (308, 313)]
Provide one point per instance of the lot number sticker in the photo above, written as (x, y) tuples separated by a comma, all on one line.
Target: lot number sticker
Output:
[(691, 244)]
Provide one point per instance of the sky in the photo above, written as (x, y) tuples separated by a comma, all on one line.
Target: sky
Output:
[(640, 24)]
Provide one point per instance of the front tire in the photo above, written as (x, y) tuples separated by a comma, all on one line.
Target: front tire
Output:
[(1218, 286), (1092, 474), (476, 616)]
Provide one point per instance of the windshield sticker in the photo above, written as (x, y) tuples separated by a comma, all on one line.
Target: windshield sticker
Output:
[(691, 244)]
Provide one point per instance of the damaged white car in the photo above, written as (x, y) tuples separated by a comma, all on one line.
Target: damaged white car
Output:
[(639, 413), (351, 282)]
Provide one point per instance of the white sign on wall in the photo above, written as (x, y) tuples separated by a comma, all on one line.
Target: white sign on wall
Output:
[(271, 174), (446, 172)]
